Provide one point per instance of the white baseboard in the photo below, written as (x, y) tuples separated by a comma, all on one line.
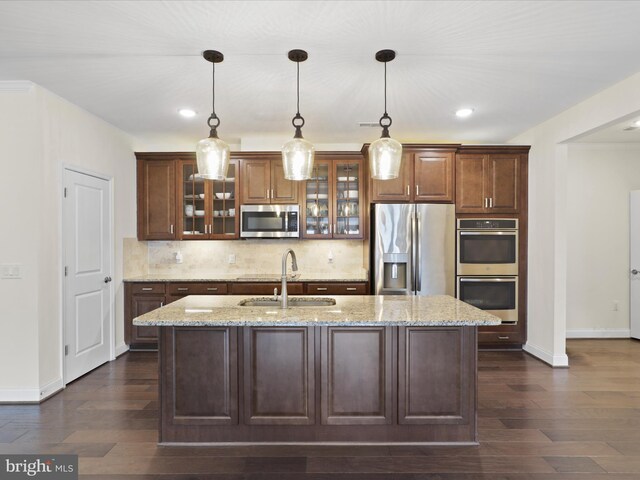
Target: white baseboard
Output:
[(120, 349), (547, 357), (599, 333), (30, 395)]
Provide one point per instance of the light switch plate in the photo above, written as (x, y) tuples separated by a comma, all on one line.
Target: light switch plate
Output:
[(10, 271), (232, 258)]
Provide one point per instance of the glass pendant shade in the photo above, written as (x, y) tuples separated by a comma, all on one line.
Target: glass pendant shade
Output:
[(297, 159), (212, 155), (385, 158)]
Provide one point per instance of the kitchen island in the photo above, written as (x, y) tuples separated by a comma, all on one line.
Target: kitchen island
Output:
[(369, 369)]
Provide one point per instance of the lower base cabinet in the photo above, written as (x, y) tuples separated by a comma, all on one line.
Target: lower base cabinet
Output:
[(318, 384)]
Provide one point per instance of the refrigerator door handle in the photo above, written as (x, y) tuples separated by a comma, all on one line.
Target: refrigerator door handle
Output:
[(414, 255), (417, 263)]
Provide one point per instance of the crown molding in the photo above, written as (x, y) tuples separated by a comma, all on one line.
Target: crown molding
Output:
[(18, 86)]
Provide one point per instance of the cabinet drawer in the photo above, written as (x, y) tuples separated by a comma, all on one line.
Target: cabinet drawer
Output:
[(499, 338), (145, 287), (193, 288), (336, 288), (265, 288)]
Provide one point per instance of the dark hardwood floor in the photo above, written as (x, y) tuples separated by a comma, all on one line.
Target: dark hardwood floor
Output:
[(535, 423)]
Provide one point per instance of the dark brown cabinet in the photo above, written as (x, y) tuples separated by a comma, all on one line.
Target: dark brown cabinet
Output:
[(156, 199), (264, 288), (488, 182), (336, 289), (425, 176), (263, 182), (207, 209), (141, 298)]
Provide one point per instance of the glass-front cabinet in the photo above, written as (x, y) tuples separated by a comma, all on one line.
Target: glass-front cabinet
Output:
[(333, 200), (208, 209), (318, 201)]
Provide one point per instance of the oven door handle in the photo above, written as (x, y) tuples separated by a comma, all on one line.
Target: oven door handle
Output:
[(502, 279), (501, 232)]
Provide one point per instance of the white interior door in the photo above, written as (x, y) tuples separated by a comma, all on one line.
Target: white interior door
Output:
[(87, 260), (634, 263)]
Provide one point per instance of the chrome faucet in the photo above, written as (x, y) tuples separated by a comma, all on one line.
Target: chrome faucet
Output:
[(294, 267)]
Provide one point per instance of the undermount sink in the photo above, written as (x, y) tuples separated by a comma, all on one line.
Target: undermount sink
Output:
[(293, 302)]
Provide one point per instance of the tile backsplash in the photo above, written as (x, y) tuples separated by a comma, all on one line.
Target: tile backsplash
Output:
[(210, 258)]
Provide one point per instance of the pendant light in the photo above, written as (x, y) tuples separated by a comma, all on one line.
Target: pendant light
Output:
[(213, 154), (297, 154), (385, 154)]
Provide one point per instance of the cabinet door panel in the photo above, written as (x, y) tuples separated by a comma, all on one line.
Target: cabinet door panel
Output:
[(264, 288), (397, 190), (433, 376), (212, 372), (256, 181), (470, 184), (279, 375), (433, 173), (282, 190), (504, 173), (156, 200), (142, 304), (356, 386)]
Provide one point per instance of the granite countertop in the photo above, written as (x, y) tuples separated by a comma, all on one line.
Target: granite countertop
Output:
[(349, 310), (253, 278)]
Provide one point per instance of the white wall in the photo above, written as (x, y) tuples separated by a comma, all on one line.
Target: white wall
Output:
[(600, 177), (548, 208), (55, 132), (21, 146)]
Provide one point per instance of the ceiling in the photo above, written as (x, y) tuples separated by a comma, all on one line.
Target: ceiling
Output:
[(135, 63)]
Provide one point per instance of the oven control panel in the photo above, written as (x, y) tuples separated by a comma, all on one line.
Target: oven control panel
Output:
[(488, 223)]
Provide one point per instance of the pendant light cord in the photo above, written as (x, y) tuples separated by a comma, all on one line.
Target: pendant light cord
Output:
[(385, 88), (298, 87), (213, 90)]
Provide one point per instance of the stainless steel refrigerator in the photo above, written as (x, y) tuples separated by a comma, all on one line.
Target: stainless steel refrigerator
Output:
[(413, 249)]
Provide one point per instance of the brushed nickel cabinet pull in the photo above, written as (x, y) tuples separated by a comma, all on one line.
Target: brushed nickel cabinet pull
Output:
[(267, 193), (506, 337), (490, 202), (183, 289), (212, 289), (351, 289), (321, 289), (417, 190), (171, 229), (272, 195), (147, 289), (408, 190)]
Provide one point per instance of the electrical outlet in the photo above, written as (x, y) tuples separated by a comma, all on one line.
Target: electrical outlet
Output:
[(10, 271), (330, 257), (232, 258)]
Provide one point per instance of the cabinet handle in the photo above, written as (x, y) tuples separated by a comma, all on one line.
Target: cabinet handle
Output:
[(330, 229), (162, 304), (183, 289), (267, 193), (321, 289), (408, 190), (212, 289), (490, 202), (147, 289), (272, 195), (171, 229), (417, 190), (506, 337), (351, 289), (486, 202)]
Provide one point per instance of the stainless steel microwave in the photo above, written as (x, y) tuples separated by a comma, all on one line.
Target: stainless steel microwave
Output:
[(487, 246), (269, 221)]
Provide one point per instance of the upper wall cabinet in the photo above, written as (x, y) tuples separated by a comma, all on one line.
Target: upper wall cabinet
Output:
[(426, 176), (156, 199), (263, 182), (489, 182)]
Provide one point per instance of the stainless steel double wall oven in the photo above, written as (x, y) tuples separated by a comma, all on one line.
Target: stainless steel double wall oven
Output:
[(487, 265)]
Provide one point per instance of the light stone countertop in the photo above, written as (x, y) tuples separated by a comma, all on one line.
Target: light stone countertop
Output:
[(253, 278), (350, 310)]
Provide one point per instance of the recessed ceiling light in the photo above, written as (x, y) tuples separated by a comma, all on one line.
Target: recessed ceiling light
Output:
[(464, 112), (187, 112), (637, 123)]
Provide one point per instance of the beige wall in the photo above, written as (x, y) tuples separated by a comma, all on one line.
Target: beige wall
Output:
[(547, 279), (42, 138), (600, 177)]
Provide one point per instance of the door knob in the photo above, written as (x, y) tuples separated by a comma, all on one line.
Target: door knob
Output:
[(635, 272), (107, 279)]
